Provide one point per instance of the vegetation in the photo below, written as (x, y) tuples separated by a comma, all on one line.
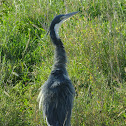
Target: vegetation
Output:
[(95, 42)]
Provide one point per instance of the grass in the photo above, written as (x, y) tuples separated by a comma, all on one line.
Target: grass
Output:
[(95, 42)]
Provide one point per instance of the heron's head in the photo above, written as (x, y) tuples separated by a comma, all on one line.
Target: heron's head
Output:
[(58, 20)]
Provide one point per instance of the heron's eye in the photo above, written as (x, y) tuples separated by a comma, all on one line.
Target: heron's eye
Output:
[(62, 18)]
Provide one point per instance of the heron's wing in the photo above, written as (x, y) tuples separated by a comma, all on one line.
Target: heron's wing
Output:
[(58, 108)]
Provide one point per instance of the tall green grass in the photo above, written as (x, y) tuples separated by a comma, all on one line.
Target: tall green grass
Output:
[(95, 42)]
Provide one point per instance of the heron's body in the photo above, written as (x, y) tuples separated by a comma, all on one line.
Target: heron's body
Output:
[(57, 94)]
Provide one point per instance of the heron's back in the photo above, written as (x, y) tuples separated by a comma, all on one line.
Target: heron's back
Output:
[(57, 99)]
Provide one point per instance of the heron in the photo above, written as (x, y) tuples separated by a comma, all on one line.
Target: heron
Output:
[(57, 93)]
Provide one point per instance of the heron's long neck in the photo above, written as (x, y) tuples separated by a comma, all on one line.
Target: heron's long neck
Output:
[(60, 54)]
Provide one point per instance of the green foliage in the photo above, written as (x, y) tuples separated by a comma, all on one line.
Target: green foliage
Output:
[(96, 61)]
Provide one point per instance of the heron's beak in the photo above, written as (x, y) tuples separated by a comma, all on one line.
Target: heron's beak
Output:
[(66, 16)]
